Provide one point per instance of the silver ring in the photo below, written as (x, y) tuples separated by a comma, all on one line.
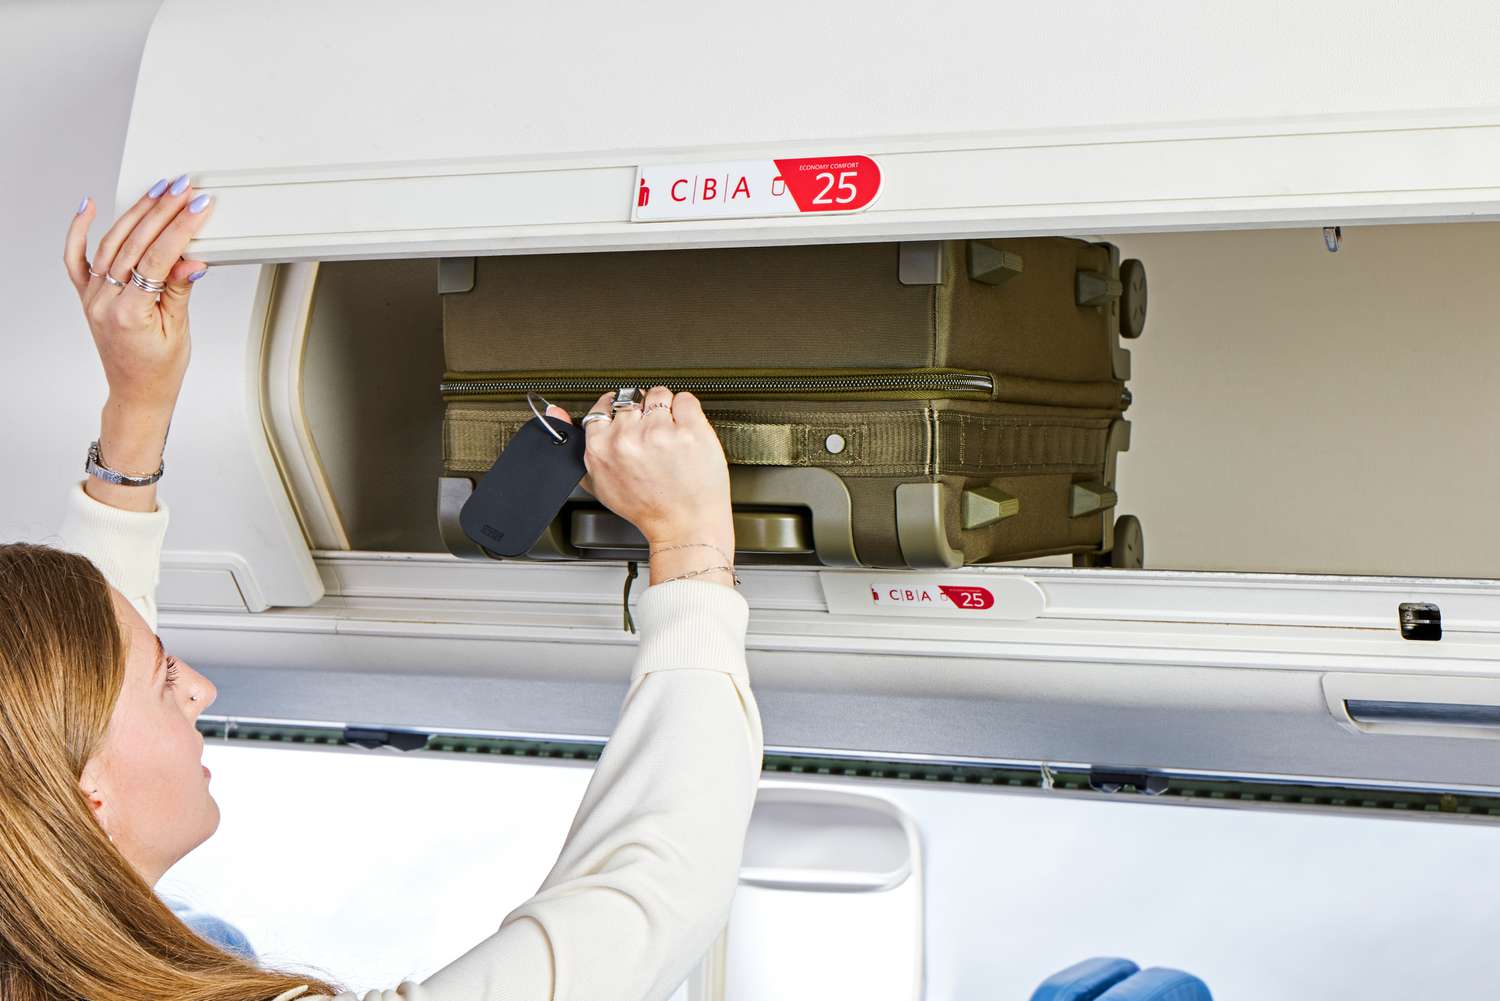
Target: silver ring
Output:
[(594, 415), (626, 398), (93, 272), (658, 405), (113, 280), (152, 285)]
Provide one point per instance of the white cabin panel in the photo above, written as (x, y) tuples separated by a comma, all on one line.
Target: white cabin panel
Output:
[(465, 126)]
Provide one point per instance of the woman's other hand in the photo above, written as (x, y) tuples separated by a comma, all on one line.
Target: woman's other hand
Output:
[(660, 466), (142, 342)]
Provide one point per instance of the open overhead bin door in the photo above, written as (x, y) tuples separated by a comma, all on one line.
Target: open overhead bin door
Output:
[(463, 127), (456, 130), (365, 129)]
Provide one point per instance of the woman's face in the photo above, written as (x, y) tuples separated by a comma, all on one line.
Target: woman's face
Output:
[(146, 783)]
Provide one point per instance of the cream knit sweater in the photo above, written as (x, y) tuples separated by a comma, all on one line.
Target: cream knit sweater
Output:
[(644, 881)]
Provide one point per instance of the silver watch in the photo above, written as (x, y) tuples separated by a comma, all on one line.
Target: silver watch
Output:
[(95, 466)]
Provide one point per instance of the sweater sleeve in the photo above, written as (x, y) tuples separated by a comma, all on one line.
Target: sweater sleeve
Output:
[(124, 545), (646, 876)]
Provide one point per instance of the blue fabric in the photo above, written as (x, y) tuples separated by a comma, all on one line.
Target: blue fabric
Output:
[(1085, 981), (1158, 984), (213, 928)]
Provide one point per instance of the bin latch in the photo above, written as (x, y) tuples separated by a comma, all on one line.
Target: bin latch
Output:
[(1420, 620)]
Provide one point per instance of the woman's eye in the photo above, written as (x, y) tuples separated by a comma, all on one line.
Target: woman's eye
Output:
[(171, 671)]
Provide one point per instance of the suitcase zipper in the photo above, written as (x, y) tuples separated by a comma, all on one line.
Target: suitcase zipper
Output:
[(925, 382)]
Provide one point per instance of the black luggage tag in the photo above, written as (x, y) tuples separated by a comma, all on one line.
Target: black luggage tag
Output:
[(526, 487)]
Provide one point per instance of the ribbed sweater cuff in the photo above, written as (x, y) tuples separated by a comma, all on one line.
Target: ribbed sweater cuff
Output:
[(124, 545), (690, 624)]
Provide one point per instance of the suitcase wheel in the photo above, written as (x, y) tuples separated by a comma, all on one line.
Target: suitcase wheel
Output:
[(1132, 298), (1129, 552)]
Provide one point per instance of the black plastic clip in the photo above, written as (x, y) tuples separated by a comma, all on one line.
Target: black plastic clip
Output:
[(1420, 620), (1109, 779), (395, 740)]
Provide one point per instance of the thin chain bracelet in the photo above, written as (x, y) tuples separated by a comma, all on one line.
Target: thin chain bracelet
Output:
[(694, 545), (699, 573)]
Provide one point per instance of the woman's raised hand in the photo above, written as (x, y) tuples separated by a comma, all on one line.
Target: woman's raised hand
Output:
[(660, 466), (142, 342)]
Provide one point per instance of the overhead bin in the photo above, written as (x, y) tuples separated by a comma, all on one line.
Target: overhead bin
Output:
[(1311, 447), (1242, 675), (463, 127)]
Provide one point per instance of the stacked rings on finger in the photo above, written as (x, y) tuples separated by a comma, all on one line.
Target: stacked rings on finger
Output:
[(152, 285), (626, 398)]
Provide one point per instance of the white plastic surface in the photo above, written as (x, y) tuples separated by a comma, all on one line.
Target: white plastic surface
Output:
[(1017, 886), (225, 490), (830, 841), (1416, 691), (282, 401), (358, 128), (1210, 672), (830, 903)]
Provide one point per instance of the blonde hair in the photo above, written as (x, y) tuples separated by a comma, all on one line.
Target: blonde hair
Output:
[(76, 919)]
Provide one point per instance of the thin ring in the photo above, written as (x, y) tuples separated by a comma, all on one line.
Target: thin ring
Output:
[(152, 285), (658, 405), (92, 271), (113, 280), (594, 415)]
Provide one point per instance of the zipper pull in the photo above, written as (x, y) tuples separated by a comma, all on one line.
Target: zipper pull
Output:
[(625, 598)]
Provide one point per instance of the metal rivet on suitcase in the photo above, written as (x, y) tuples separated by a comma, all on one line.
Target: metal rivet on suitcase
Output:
[(834, 444)]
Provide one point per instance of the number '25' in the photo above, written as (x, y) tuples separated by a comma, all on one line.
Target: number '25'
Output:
[(843, 183)]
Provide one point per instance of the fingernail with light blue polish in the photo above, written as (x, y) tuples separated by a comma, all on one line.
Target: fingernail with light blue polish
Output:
[(199, 204), (179, 185), (157, 188), (197, 274), (82, 205)]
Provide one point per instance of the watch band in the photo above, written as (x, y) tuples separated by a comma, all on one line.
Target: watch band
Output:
[(94, 466)]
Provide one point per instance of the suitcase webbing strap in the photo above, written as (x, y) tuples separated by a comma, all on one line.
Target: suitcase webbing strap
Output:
[(879, 443)]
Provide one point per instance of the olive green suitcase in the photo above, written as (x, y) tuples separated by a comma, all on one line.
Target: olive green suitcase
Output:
[(919, 405)]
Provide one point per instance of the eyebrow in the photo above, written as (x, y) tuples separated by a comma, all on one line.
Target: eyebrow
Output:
[(161, 658)]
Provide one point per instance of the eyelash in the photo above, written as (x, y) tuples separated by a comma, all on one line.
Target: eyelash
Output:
[(171, 671)]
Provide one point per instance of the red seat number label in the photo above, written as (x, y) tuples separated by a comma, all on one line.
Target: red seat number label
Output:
[(748, 188), (955, 594), (977, 598)]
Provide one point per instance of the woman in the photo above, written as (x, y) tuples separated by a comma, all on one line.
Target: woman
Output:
[(101, 785)]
